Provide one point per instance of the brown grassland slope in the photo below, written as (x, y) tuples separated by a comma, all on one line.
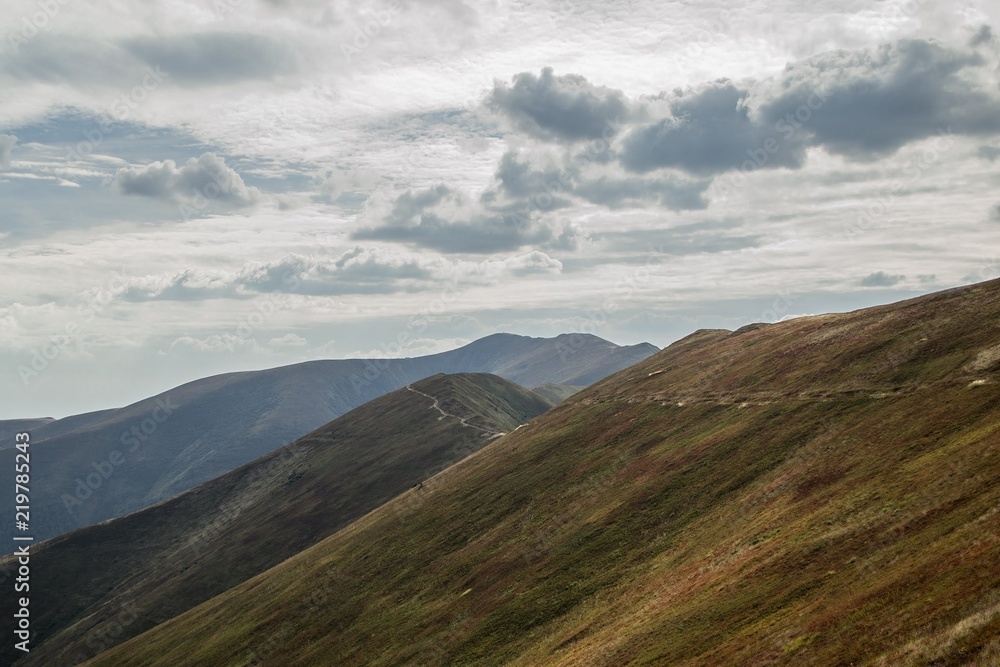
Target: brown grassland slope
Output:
[(823, 491)]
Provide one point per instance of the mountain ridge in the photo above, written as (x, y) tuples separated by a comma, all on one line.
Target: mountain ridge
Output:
[(181, 551), (819, 491), (108, 463)]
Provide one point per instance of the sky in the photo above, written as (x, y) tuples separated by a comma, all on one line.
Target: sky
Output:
[(190, 188)]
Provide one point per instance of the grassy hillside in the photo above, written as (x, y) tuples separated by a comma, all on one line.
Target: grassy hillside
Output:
[(100, 585), (556, 393), (10, 427), (824, 491), (172, 442)]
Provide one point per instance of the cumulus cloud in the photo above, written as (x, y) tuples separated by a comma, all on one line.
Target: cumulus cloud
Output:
[(531, 263), (441, 219), (862, 104), (200, 182), (7, 142), (517, 180), (875, 101), (708, 131), (356, 271), (881, 279), (553, 186), (215, 343), (288, 340), (563, 108), (516, 210)]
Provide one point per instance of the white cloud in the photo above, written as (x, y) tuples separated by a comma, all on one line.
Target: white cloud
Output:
[(201, 183), (288, 340)]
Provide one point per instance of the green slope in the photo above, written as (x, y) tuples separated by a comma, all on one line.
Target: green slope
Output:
[(100, 585), (823, 491), (556, 393)]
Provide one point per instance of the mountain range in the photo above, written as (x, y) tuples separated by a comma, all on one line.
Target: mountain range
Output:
[(105, 583), (821, 491), (100, 465)]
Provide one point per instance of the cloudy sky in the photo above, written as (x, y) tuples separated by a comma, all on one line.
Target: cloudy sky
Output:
[(190, 187)]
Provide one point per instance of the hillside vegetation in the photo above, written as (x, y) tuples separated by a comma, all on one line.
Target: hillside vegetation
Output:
[(100, 465), (100, 585), (823, 491)]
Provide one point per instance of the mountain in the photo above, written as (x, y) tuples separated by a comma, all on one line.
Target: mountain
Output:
[(102, 584), (821, 491), (556, 393), (11, 427), (108, 463)]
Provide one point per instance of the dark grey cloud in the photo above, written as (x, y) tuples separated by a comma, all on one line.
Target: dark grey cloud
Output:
[(562, 108), (69, 59), (862, 104), (215, 58), (199, 183), (994, 214), (435, 218), (873, 102), (552, 187), (710, 130), (881, 279), (990, 153), (984, 35), (517, 182), (7, 142), (514, 212)]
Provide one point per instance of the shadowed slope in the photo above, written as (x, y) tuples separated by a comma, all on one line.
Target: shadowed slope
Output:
[(822, 491), (176, 440), (149, 566)]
